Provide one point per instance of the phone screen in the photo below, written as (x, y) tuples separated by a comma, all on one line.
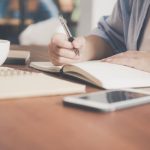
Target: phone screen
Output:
[(112, 96)]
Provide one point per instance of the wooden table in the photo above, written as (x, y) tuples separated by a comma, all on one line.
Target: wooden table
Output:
[(44, 123)]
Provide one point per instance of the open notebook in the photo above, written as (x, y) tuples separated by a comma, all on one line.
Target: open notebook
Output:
[(105, 75), (15, 84)]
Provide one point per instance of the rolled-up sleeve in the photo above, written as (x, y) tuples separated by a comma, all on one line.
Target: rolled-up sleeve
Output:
[(110, 28)]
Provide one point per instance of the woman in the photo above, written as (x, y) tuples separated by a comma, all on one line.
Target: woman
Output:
[(121, 38)]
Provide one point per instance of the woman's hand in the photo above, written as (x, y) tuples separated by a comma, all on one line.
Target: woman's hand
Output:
[(135, 59), (61, 51)]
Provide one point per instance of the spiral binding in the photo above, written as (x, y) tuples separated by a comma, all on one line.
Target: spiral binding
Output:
[(8, 72)]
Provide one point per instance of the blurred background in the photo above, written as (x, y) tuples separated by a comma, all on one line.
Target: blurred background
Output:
[(35, 21)]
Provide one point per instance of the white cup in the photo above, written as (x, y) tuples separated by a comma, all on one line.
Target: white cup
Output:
[(4, 50)]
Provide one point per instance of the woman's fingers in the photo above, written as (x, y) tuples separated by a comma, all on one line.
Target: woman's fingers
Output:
[(61, 51), (79, 42), (58, 61), (67, 53), (60, 40)]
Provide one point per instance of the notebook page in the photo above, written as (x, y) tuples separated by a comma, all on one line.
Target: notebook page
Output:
[(45, 66), (115, 76), (17, 84)]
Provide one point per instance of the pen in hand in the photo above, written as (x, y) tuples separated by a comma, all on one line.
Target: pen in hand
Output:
[(69, 35)]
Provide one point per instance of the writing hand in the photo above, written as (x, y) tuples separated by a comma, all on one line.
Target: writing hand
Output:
[(61, 51)]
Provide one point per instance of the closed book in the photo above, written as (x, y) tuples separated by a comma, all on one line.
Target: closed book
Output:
[(16, 57)]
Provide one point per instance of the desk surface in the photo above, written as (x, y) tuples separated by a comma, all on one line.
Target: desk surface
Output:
[(43, 123)]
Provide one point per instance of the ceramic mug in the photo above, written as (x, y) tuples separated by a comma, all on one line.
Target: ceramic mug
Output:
[(4, 50)]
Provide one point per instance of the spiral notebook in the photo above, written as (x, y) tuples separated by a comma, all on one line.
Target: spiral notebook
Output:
[(17, 84)]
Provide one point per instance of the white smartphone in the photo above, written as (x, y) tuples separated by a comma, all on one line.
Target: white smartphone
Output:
[(108, 101)]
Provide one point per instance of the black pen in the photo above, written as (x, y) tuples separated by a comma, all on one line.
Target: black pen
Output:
[(69, 35)]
